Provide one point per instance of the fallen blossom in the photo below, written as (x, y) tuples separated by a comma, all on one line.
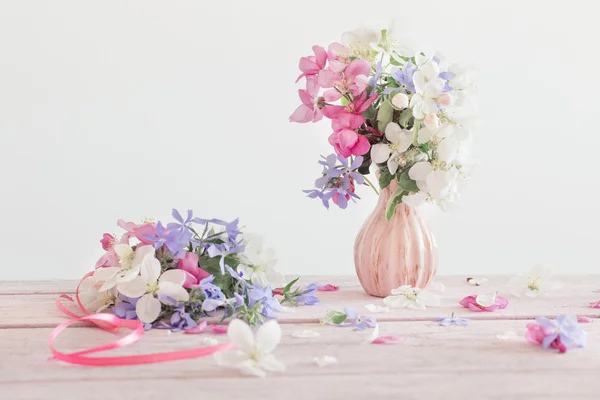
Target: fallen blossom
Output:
[(218, 329), (253, 355), (476, 281), (201, 328), (561, 333), (412, 298), (374, 338), (595, 304), (305, 334), (436, 287), (487, 303), (453, 320), (210, 341), (348, 318), (327, 288), (324, 361), (375, 309), (583, 319), (538, 281)]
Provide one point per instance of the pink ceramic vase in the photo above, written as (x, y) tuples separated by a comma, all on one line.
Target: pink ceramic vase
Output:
[(389, 254)]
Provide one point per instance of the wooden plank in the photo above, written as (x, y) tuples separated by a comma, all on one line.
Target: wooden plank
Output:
[(435, 362), (39, 310), (37, 287)]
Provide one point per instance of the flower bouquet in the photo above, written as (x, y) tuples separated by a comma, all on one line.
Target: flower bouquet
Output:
[(399, 111), (173, 276)]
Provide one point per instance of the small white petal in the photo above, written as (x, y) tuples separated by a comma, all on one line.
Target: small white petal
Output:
[(400, 101), (393, 132), (150, 268), (126, 275), (134, 288), (323, 361), (438, 183), (424, 135), (148, 308), (176, 276), (103, 274), (250, 367), (485, 300), (230, 358), (392, 166), (268, 336), (142, 252), (270, 363), (241, 335), (414, 200), (123, 250), (447, 149), (210, 341), (376, 309), (305, 334), (174, 291), (420, 171), (380, 153), (436, 286), (428, 299)]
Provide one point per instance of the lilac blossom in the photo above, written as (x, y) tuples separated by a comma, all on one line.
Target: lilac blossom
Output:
[(183, 225), (263, 295), (181, 319), (125, 309), (453, 320), (378, 70), (175, 241), (336, 182), (404, 77), (308, 295), (565, 328)]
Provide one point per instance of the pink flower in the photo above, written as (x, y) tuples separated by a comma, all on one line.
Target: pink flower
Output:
[(139, 231), (336, 197), (338, 56), (108, 241), (309, 109), (108, 259), (595, 304), (347, 142), (219, 329), (349, 116), (484, 303), (353, 79), (328, 288), (201, 328), (536, 334), (193, 273), (311, 66), (583, 319)]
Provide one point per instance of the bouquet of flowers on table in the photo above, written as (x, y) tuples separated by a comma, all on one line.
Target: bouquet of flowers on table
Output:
[(390, 107), (172, 276)]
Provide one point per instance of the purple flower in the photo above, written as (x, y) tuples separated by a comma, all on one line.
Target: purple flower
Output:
[(308, 295), (360, 323), (182, 225), (378, 70), (211, 291), (176, 241), (125, 309), (565, 328), (336, 182), (404, 78), (453, 320), (263, 295), (181, 319)]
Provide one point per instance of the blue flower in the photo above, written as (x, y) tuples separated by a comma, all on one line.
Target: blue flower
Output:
[(176, 241), (308, 295), (453, 320), (263, 295), (565, 328), (336, 182), (404, 78), (378, 70)]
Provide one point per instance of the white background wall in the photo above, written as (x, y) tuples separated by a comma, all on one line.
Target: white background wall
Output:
[(125, 109)]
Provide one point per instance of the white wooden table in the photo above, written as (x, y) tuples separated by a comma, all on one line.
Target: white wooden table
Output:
[(435, 362)]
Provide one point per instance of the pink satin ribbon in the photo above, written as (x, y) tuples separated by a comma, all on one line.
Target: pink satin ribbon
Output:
[(112, 323)]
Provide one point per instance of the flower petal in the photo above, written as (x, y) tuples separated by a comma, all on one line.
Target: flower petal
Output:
[(134, 289), (241, 335), (173, 290), (268, 336), (270, 363), (414, 200), (419, 171), (447, 149), (147, 308), (230, 358), (150, 268), (176, 276), (380, 153), (393, 132)]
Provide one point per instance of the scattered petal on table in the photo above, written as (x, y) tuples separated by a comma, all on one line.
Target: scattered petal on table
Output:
[(453, 320), (595, 304), (583, 319), (305, 334), (374, 338), (201, 328), (219, 329), (210, 341), (436, 287), (509, 335), (476, 281), (375, 309), (327, 288), (323, 361)]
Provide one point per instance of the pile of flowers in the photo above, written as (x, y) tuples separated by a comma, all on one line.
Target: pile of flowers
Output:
[(388, 107), (174, 275)]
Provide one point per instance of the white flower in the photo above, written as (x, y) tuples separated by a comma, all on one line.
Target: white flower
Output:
[(150, 285), (537, 282), (442, 184), (396, 42), (93, 299), (375, 309), (324, 361), (431, 121), (360, 41), (258, 263), (413, 298), (209, 341), (476, 281), (253, 355), (400, 141), (427, 79), (400, 101), (434, 133), (305, 334), (130, 264)]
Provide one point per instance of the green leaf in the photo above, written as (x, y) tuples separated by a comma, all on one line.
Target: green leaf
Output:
[(417, 126), (407, 184), (344, 101), (425, 147), (405, 117), (385, 178), (336, 317), (383, 35), (393, 202), (370, 113), (289, 285), (384, 116)]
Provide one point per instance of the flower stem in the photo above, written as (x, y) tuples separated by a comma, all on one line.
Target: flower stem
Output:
[(370, 184)]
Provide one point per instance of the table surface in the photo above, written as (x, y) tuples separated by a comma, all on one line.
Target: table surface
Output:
[(435, 362)]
